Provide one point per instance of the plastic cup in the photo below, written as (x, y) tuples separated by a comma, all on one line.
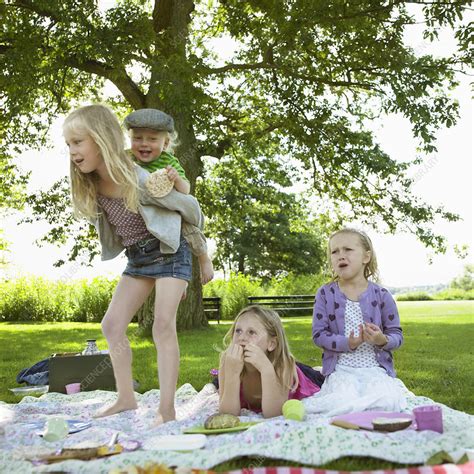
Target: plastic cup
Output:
[(429, 417), (293, 410), (56, 429), (73, 388)]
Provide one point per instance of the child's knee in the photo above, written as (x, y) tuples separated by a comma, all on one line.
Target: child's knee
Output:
[(163, 328), (111, 330)]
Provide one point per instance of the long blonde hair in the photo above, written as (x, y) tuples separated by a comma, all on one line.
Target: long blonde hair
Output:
[(281, 357), (101, 124), (371, 270)]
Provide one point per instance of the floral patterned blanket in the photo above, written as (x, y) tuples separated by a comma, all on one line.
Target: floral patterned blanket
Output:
[(313, 441)]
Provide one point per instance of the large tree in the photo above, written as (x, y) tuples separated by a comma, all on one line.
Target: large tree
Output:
[(260, 226), (305, 77)]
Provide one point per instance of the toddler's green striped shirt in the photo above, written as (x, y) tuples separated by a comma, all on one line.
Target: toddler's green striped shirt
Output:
[(163, 161)]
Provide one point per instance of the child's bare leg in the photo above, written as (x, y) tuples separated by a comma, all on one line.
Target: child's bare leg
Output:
[(168, 295), (207, 269), (127, 299)]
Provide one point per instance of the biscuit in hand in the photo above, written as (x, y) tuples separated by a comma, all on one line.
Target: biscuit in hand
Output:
[(158, 184)]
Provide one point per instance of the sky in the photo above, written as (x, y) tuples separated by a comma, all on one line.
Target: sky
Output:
[(444, 178)]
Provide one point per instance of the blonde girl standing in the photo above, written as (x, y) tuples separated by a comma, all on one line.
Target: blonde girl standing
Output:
[(356, 323), (257, 370), (109, 190)]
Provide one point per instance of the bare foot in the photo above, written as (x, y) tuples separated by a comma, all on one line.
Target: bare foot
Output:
[(117, 407), (207, 269), (162, 418)]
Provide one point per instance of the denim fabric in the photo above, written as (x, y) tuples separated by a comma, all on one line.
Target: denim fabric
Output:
[(145, 259), (37, 374)]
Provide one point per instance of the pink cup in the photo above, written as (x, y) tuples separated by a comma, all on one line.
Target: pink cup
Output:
[(429, 417), (73, 388)]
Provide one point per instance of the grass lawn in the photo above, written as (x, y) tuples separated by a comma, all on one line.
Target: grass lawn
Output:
[(436, 359)]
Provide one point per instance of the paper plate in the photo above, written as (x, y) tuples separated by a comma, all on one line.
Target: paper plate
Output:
[(22, 391), (185, 442), (240, 427)]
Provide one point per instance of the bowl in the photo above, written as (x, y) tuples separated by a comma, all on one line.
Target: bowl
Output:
[(30, 390)]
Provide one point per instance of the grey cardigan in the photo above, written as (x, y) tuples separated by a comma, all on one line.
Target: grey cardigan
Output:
[(162, 218)]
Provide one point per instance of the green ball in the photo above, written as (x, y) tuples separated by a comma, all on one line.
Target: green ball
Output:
[(293, 410)]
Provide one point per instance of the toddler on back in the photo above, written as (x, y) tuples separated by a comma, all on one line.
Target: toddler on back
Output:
[(356, 323), (257, 370), (152, 133)]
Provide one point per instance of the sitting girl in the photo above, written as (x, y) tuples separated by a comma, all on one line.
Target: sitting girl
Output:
[(356, 322), (257, 370)]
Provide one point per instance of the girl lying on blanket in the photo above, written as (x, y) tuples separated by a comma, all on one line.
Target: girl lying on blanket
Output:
[(356, 322), (257, 370)]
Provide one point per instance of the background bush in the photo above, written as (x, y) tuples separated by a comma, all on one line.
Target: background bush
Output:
[(295, 285), (35, 299), (448, 294), (416, 296), (38, 299), (92, 299), (233, 293), (454, 294)]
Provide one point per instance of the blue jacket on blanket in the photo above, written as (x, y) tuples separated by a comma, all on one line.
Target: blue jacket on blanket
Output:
[(37, 374)]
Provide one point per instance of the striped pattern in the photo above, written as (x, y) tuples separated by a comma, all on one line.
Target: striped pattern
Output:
[(441, 469)]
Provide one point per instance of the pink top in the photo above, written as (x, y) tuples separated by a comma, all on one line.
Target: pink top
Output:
[(305, 388), (130, 226)]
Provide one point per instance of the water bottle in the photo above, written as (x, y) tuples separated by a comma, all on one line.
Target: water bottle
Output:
[(91, 348)]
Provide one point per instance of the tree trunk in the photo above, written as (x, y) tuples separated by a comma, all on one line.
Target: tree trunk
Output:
[(173, 19), (191, 311), (241, 264)]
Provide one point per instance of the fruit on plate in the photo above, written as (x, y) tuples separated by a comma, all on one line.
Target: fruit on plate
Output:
[(218, 422), (391, 424)]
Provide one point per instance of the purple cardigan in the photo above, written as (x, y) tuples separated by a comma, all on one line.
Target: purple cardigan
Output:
[(378, 307)]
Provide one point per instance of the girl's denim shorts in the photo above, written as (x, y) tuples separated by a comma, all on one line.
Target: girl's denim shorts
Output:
[(146, 260)]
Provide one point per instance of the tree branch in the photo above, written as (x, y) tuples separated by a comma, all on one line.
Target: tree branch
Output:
[(162, 15), (217, 150), (262, 65), (361, 13), (119, 77), (29, 5), (238, 67), (451, 4)]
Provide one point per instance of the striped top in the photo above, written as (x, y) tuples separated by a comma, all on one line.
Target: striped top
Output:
[(162, 162)]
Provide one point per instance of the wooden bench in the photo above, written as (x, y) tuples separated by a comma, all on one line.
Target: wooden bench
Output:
[(290, 305), (212, 308)]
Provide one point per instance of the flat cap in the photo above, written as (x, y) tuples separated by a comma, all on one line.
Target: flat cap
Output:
[(149, 118)]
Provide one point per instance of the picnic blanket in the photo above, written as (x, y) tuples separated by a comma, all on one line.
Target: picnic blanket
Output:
[(313, 441), (467, 468)]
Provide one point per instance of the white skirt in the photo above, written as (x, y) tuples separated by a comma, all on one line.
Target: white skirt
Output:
[(350, 389)]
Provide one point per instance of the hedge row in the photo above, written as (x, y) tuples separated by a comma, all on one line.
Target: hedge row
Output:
[(447, 295), (39, 299)]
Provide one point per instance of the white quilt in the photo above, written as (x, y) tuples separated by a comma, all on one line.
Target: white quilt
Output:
[(312, 441)]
